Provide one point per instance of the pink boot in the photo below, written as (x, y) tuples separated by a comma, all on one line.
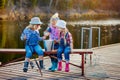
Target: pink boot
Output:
[(67, 67), (60, 66)]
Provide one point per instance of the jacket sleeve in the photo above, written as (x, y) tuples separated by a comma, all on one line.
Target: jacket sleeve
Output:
[(24, 34), (38, 35), (70, 36), (40, 38), (48, 29), (71, 40)]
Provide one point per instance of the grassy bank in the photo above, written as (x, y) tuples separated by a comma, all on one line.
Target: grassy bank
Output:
[(66, 15)]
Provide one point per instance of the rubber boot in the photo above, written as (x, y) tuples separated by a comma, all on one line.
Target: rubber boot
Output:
[(41, 64), (31, 64), (67, 67), (60, 66), (25, 69), (56, 64), (53, 67), (52, 63)]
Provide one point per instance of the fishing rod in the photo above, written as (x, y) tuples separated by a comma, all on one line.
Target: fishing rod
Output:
[(18, 19), (39, 68)]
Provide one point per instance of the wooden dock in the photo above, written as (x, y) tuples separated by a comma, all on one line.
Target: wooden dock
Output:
[(105, 66)]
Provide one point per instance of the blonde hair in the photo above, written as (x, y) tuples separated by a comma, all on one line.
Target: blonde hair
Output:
[(54, 17), (65, 30), (31, 26)]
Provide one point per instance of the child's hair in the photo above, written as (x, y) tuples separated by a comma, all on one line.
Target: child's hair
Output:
[(30, 26), (54, 17), (66, 30)]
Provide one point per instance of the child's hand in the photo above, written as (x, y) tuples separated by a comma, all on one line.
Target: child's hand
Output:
[(46, 33), (54, 51), (24, 37), (56, 41), (44, 37)]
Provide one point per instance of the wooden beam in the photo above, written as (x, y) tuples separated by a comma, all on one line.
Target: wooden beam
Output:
[(82, 52), (22, 51)]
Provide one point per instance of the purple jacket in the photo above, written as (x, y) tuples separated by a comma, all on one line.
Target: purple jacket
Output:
[(54, 33)]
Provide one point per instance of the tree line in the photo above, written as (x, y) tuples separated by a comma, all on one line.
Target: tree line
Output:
[(63, 4)]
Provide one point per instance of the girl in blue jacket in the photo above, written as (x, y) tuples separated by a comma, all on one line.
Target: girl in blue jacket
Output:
[(32, 37)]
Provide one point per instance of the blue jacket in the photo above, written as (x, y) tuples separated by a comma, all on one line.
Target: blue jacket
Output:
[(32, 37)]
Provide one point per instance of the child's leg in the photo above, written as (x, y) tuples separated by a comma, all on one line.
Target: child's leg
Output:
[(67, 57), (67, 53), (40, 53), (27, 59), (53, 60), (59, 53), (59, 56), (56, 46), (41, 62), (29, 51)]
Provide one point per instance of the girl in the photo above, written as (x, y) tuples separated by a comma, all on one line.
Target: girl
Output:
[(53, 33), (32, 38), (65, 45)]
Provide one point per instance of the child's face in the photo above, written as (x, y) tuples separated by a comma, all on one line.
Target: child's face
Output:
[(61, 29), (37, 27), (54, 22)]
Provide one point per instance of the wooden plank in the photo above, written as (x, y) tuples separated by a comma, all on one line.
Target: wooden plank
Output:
[(46, 75), (22, 51), (18, 70), (75, 51), (109, 61), (16, 51)]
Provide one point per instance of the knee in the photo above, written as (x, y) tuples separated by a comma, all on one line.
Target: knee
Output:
[(40, 53), (67, 51), (59, 51), (28, 54)]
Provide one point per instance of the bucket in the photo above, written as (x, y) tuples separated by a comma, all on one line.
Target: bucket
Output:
[(48, 45)]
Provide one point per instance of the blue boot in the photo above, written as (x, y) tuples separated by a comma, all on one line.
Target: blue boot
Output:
[(54, 68), (52, 63), (25, 69), (31, 64), (41, 64), (56, 64)]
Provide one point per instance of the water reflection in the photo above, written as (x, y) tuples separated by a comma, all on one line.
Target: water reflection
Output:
[(10, 35)]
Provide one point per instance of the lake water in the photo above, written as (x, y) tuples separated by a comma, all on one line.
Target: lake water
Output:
[(10, 32)]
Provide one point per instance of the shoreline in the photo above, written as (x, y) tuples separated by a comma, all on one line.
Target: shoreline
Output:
[(68, 16)]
